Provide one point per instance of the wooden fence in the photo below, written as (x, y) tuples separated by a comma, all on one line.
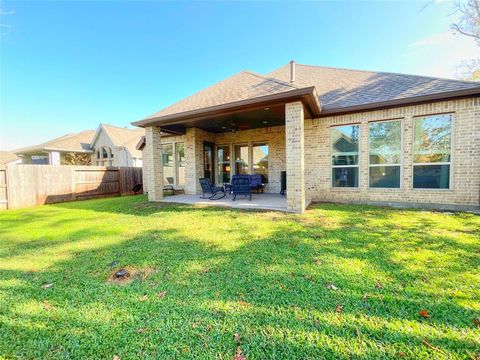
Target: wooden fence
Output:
[(29, 185)]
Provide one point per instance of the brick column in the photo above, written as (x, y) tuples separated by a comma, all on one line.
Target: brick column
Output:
[(295, 162), (153, 163)]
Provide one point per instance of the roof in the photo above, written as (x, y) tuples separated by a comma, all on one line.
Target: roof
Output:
[(122, 136), (242, 86), (77, 142), (7, 157), (335, 90), (340, 89)]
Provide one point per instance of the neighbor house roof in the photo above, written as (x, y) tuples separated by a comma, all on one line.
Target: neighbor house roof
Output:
[(335, 90), (7, 157), (121, 136), (77, 142)]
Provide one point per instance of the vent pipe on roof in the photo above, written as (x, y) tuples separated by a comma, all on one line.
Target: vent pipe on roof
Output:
[(292, 71)]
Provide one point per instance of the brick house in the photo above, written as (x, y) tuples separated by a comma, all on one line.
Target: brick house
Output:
[(340, 135)]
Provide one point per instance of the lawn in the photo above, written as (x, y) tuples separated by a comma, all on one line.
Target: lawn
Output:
[(337, 282)]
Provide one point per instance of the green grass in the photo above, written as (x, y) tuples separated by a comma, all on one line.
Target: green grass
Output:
[(262, 275)]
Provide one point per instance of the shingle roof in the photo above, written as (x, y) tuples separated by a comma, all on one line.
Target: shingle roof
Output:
[(241, 86), (77, 142), (125, 137), (337, 89), (341, 88), (6, 157)]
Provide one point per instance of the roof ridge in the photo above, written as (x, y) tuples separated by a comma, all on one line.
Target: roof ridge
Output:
[(391, 73), (278, 81)]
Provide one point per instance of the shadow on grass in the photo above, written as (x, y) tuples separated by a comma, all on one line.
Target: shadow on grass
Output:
[(271, 289)]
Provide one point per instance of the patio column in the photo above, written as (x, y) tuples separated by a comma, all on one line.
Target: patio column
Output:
[(193, 160), (153, 163), (295, 166)]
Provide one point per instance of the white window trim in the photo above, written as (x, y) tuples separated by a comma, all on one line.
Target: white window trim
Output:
[(379, 165), (175, 184), (452, 137), (345, 166)]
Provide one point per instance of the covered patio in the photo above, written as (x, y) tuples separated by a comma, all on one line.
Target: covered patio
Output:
[(273, 202), (258, 129)]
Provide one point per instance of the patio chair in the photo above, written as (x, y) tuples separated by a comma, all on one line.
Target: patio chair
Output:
[(241, 186), (208, 188), (256, 182)]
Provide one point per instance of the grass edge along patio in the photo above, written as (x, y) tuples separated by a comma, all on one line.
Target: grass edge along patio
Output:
[(341, 136)]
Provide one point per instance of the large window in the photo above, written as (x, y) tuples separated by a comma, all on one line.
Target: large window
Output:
[(223, 164), (168, 168), (260, 160), (345, 140), (241, 159), (180, 157), (432, 151), (385, 154)]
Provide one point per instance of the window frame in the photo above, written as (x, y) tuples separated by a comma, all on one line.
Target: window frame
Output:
[(175, 184), (345, 166), (176, 163), (231, 149), (452, 147), (260, 143), (249, 157), (380, 165)]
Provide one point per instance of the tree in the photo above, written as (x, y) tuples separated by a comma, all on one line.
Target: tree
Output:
[(468, 25)]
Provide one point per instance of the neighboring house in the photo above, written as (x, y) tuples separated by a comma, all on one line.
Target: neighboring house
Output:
[(70, 149), (340, 135), (116, 146), (8, 157)]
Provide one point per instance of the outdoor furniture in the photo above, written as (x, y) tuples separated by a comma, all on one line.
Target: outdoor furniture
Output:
[(256, 182), (283, 182), (169, 188), (241, 186), (208, 188)]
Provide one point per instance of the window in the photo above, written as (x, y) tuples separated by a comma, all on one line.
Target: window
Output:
[(241, 159), (260, 160), (345, 141), (223, 164), (432, 151), (167, 161), (385, 154), (180, 156)]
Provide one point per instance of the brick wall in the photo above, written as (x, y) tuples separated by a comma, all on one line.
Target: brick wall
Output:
[(465, 163)]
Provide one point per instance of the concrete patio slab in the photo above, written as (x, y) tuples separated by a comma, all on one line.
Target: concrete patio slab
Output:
[(259, 201)]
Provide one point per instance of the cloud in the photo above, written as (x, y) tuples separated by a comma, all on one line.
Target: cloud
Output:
[(440, 54)]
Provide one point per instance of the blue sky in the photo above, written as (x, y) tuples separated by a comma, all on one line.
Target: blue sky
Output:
[(67, 66)]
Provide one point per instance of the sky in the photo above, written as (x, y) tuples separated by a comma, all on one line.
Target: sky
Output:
[(68, 66)]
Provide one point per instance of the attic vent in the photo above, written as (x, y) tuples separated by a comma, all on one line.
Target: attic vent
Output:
[(292, 71)]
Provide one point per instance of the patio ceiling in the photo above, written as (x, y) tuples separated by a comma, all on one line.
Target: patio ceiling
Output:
[(264, 111), (237, 121)]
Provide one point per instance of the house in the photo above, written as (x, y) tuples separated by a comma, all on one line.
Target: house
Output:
[(116, 146), (341, 136), (70, 149), (8, 157)]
